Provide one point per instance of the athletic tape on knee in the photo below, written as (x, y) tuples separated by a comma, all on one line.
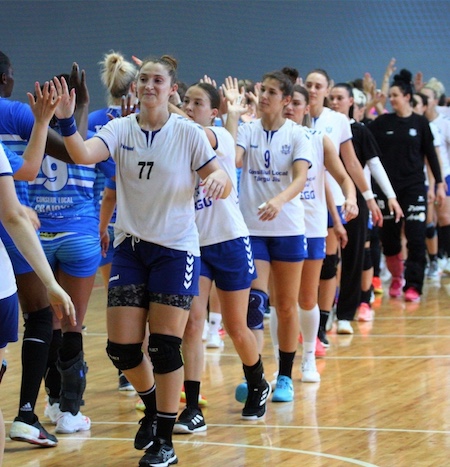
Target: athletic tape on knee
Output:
[(257, 305), (125, 356), (329, 267), (165, 353)]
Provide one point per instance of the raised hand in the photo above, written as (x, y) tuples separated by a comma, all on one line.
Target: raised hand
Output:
[(231, 89), (66, 105), (44, 104), (78, 82)]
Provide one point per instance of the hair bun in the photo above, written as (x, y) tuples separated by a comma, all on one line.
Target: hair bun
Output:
[(404, 75), (291, 73)]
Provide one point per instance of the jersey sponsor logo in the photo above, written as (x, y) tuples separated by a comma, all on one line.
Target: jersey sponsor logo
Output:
[(307, 194), (203, 203), (127, 148), (390, 132), (412, 132), (253, 146)]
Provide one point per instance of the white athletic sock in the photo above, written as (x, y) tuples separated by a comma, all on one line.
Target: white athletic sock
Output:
[(309, 325), (273, 326), (214, 322)]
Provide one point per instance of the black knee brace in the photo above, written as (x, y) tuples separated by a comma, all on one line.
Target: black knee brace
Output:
[(257, 305), (39, 326), (73, 384), (125, 356), (329, 267), (367, 262), (165, 353), (430, 231)]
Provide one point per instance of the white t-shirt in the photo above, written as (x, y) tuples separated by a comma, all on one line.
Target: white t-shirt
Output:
[(8, 282), (313, 195), (155, 179), (443, 125), (337, 127), (267, 171), (220, 220)]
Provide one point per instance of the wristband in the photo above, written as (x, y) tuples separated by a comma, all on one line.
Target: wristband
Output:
[(368, 195), (67, 126)]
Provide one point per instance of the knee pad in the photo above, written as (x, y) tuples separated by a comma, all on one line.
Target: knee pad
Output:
[(39, 326), (329, 267), (165, 353), (430, 231), (125, 356), (257, 305), (367, 262), (73, 383)]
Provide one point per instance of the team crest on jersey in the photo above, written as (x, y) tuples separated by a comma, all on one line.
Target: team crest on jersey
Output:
[(329, 129), (286, 149)]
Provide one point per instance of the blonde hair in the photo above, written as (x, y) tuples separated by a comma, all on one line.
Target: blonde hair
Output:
[(117, 74), (436, 86)]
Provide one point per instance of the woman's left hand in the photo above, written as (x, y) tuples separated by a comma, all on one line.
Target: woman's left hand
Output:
[(214, 184), (269, 210)]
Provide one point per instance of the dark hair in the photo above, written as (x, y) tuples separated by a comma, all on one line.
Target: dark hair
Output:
[(357, 83), (182, 88), (212, 92), (291, 73), (303, 91), (404, 82), (349, 89), (168, 62), (286, 86), (424, 98), (5, 63), (321, 72)]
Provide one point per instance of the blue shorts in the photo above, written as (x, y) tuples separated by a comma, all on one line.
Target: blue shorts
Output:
[(163, 270), (20, 264), (110, 253), (9, 320), (330, 220), (316, 248), (230, 264), (447, 181), (290, 249), (74, 253)]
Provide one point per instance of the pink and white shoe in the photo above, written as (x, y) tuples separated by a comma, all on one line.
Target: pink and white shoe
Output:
[(365, 313)]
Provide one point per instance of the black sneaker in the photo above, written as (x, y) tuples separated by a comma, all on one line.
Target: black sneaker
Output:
[(255, 405), (322, 335), (159, 454), (191, 420), (146, 433), (33, 433)]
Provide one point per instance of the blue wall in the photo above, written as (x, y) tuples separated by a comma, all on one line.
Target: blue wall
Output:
[(241, 38)]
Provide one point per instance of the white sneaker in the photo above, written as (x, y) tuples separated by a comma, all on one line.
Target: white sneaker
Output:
[(52, 412), (344, 327), (68, 423), (205, 331), (214, 341), (309, 371)]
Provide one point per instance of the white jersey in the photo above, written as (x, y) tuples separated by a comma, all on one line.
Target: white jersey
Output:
[(443, 125), (267, 171), (437, 143), (8, 283), (313, 195), (337, 127), (155, 179), (221, 220)]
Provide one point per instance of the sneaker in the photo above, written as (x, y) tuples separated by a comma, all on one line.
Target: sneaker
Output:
[(309, 371), (255, 405), (191, 420), (377, 285), (446, 266), (214, 341), (202, 401), (140, 405), (321, 351), (344, 327), (52, 412), (124, 384), (241, 392), (411, 295), (146, 433), (159, 454), (395, 289), (365, 313), (284, 390), (433, 270), (68, 423), (322, 335), (331, 319), (33, 433)]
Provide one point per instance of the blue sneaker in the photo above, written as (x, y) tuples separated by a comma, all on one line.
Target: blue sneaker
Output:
[(284, 390), (241, 392)]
